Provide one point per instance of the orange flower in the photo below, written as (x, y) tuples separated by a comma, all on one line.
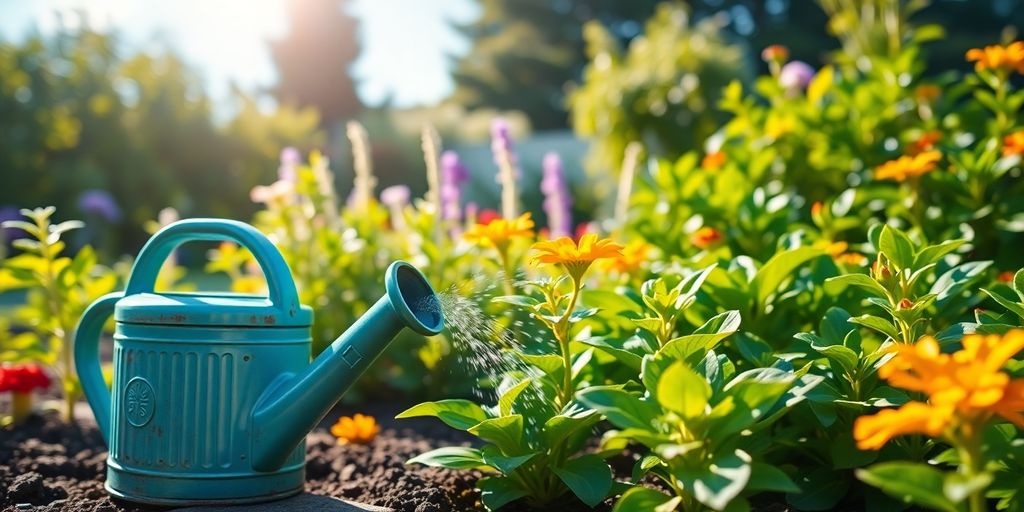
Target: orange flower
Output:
[(834, 249), (1005, 276), (500, 232), (633, 256), (816, 208), (925, 142), (964, 389), (1013, 144), (706, 237), (713, 161), (359, 429), (908, 166), (575, 257), (775, 52), (852, 258), (996, 57), (927, 92)]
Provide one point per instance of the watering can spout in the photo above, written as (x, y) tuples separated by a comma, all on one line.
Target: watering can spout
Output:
[(294, 407)]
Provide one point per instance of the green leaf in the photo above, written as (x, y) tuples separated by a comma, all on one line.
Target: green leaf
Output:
[(760, 388), (494, 458), (778, 269), (895, 245), (934, 253), (456, 413), (682, 390), (1014, 307), (911, 482), (718, 482), (589, 478), (877, 323), (642, 499), (453, 457), (496, 492), (835, 285), (549, 363), (684, 346), (623, 409), (522, 301), (1018, 283), (765, 477), (840, 355), (630, 359), (557, 428), (820, 489), (505, 432), (510, 395), (728, 322), (642, 466)]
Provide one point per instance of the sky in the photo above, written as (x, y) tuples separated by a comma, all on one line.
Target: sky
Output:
[(405, 43)]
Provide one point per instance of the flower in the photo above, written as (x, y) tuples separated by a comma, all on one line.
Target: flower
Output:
[(453, 176), (852, 258), (706, 237), (576, 257), (273, 193), (500, 232), (100, 203), (1013, 144), (908, 166), (796, 75), (23, 378), (1005, 276), (634, 255), (290, 160), (557, 201), (358, 429), (833, 249), (964, 389), (396, 196), (925, 142), (508, 168), (775, 53), (501, 142), (996, 57), (713, 161), (927, 92)]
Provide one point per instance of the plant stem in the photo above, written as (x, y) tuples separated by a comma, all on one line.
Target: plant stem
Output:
[(21, 406), (971, 466), (562, 329)]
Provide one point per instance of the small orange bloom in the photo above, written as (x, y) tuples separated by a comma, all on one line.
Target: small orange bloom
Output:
[(633, 256), (852, 258), (834, 249), (1013, 144), (927, 92), (925, 142), (816, 208), (500, 232), (964, 389), (1005, 276), (996, 57), (576, 257), (359, 429), (775, 52), (706, 237), (908, 166), (713, 161)]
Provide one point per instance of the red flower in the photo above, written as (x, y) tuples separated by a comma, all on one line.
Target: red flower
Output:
[(23, 378), (486, 216)]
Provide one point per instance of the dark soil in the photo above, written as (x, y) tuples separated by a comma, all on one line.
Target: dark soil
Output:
[(46, 465)]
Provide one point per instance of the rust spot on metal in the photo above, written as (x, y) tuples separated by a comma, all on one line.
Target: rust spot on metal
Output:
[(269, 320)]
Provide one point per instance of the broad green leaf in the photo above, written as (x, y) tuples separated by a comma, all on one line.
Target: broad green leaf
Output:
[(718, 482), (765, 477), (842, 356), (895, 245), (456, 413), (559, 427), (910, 481), (623, 355), (760, 388), (522, 301), (957, 279), (454, 457), (728, 322), (493, 457), (509, 397), (934, 253), (820, 489), (682, 390), (1014, 307), (588, 477), (684, 346), (778, 269), (835, 285), (642, 466), (642, 499), (496, 492), (877, 323), (623, 409), (549, 363), (1018, 283), (505, 432)]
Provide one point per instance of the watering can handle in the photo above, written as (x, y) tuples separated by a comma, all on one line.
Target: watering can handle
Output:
[(87, 359), (279, 282)]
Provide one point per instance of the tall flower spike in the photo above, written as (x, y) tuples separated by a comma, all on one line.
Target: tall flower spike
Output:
[(557, 201), (508, 169), (453, 176), (362, 191)]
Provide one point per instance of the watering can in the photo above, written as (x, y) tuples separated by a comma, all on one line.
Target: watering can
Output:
[(213, 393)]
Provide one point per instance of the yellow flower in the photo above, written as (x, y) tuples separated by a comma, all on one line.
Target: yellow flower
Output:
[(908, 166), (834, 249), (500, 232), (1013, 144), (996, 57), (633, 256), (964, 389), (575, 257), (359, 429)]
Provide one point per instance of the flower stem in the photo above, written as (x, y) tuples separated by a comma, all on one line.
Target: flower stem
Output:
[(21, 406), (971, 466), (562, 329)]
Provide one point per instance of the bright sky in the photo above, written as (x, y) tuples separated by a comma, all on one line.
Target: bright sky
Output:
[(405, 43)]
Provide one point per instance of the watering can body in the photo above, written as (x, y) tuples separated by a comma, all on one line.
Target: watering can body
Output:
[(213, 394)]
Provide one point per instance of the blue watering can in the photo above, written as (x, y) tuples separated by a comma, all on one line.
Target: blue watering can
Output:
[(213, 393)]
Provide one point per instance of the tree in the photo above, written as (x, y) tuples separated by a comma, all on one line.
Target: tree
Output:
[(314, 58), (525, 53)]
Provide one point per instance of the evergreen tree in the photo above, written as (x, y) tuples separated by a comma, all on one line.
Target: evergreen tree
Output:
[(314, 58)]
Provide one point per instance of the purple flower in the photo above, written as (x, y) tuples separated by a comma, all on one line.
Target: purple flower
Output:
[(290, 160), (9, 234), (396, 196), (796, 75), (453, 176), (557, 202), (99, 203), (501, 142)]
